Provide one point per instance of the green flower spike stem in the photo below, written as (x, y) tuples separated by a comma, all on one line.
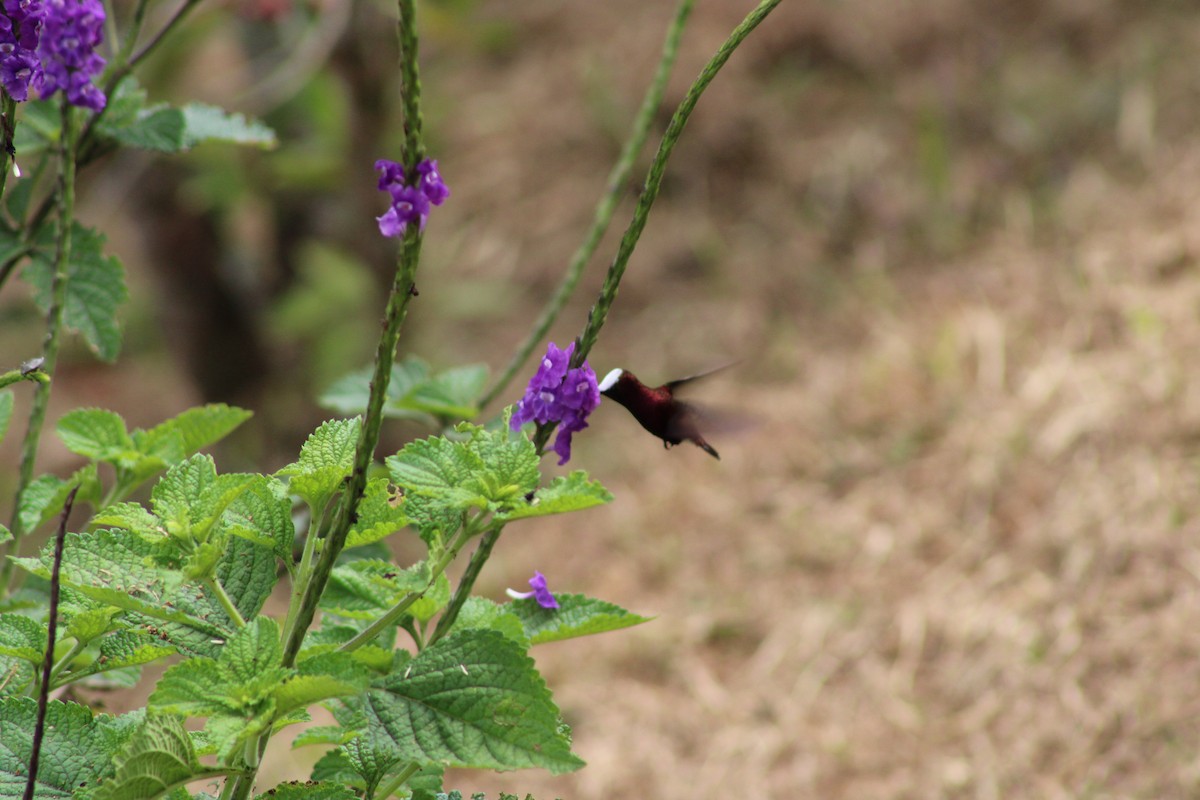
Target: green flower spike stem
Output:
[(608, 293), (617, 180), (54, 324), (403, 290)]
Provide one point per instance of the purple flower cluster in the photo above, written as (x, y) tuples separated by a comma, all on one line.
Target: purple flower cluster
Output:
[(20, 30), (558, 394), (51, 46), (540, 592), (71, 32), (410, 199)]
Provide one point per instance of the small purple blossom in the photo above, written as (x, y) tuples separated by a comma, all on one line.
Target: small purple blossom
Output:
[(20, 30), (410, 199), (558, 394), (540, 593), (71, 32)]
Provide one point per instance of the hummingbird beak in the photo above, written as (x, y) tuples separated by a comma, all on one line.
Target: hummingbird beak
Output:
[(610, 380)]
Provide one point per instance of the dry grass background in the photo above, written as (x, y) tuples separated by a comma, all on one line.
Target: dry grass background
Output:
[(956, 247)]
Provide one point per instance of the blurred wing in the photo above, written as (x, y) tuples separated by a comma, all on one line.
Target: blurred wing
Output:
[(675, 384), (705, 420)]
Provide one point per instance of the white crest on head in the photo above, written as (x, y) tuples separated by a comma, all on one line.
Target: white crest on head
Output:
[(610, 379)]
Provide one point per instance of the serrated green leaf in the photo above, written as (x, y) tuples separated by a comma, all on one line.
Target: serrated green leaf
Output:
[(254, 650), (77, 748), (380, 514), (160, 128), (472, 699), (22, 637), (121, 650), (322, 734), (326, 459), (248, 573), (262, 514), (43, 499), (479, 612), (95, 288), (205, 123), (565, 493), (132, 517), (296, 790), (117, 568), (511, 462), (321, 677), (191, 496), (92, 623), (576, 615), (452, 393), (16, 201), (158, 756), (349, 394), (5, 534), (190, 431), (366, 588), (6, 409), (194, 688), (438, 478)]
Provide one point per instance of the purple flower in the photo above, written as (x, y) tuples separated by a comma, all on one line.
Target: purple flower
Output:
[(431, 182), (540, 593), (556, 394), (71, 32), (410, 200), (20, 29)]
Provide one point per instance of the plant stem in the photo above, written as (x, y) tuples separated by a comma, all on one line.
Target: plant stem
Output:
[(608, 292), (76, 649), (54, 323), (51, 632), (466, 583), (388, 789), (14, 375), (617, 180), (403, 290), (216, 588), (465, 534)]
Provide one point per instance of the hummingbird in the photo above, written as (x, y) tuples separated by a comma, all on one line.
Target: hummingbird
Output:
[(657, 409)]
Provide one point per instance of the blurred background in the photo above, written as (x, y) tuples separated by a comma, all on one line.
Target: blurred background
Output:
[(953, 244)]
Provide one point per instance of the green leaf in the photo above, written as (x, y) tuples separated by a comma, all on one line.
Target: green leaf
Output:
[(380, 514), (132, 517), (91, 623), (45, 496), (321, 677), (511, 461), (364, 589), (95, 288), (565, 493), (472, 699), (160, 128), (308, 791), (196, 687), (77, 749), (248, 572), (191, 497), (121, 650), (576, 615), (22, 637), (5, 534), (6, 409), (204, 123), (117, 568), (185, 434), (348, 395), (262, 514), (479, 612), (159, 756), (255, 650), (452, 393), (326, 459), (435, 474), (95, 433)]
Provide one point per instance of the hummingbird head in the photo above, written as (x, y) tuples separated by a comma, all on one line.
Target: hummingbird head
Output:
[(610, 380)]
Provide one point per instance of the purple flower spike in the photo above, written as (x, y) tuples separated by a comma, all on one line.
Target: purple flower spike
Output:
[(556, 394), (410, 199), (431, 182), (71, 32), (540, 593), (20, 30)]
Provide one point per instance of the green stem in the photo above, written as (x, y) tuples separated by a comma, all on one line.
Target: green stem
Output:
[(54, 323), (303, 574), (466, 583), (216, 588), (403, 290), (9, 126), (465, 534), (617, 180), (388, 789), (15, 375), (63, 662), (608, 292)]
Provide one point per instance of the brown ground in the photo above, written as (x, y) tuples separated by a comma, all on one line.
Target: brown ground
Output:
[(955, 247)]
